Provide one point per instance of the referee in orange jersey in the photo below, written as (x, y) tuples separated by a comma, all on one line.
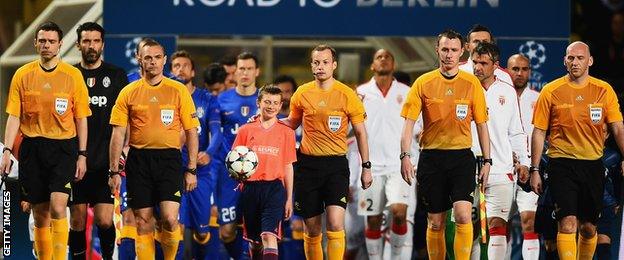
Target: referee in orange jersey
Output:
[(449, 99), (49, 103), (325, 107), (575, 109), (156, 109)]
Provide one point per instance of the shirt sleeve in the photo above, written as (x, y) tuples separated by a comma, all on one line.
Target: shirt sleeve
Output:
[(517, 135), (541, 114), (119, 113), (296, 111), (479, 109), (81, 96), (214, 123), (290, 146), (14, 102), (188, 115), (413, 105), (355, 108), (613, 107)]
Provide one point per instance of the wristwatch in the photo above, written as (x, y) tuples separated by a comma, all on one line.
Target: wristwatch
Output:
[(367, 165), (191, 170), (83, 153), (533, 169), (489, 160), (403, 154)]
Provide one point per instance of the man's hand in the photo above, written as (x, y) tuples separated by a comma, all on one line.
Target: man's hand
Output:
[(81, 168), (622, 167), (536, 182), (25, 205), (5, 164), (366, 178), (203, 158), (190, 182), (484, 174), (288, 209), (407, 170), (114, 182), (523, 173)]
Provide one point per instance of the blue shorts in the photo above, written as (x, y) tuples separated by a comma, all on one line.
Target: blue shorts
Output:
[(227, 195), (262, 203), (195, 205), (606, 221)]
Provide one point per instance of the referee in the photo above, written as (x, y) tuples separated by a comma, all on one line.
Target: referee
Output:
[(575, 109), (156, 109), (48, 103), (104, 81)]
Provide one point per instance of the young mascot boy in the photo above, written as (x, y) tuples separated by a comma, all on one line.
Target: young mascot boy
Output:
[(268, 192)]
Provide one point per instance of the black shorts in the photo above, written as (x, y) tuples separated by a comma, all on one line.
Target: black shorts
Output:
[(444, 177), (262, 203), (320, 181), (577, 187), (153, 176), (46, 166), (92, 189)]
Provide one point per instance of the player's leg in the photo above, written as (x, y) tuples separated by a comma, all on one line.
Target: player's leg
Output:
[(398, 193), (590, 206), (272, 198), (498, 199), (106, 230), (563, 183), (334, 194), (527, 206), (171, 235), (371, 203), (168, 183), (77, 236), (145, 233), (198, 215), (227, 202), (460, 171), (604, 226), (43, 231), (308, 182), (129, 229)]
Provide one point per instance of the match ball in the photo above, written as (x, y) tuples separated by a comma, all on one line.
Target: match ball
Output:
[(241, 163)]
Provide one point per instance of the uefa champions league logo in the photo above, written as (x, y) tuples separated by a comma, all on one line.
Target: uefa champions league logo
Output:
[(536, 53), (130, 48)]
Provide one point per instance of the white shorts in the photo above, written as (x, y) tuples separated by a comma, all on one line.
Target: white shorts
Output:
[(386, 190), (498, 200), (526, 201), (355, 224)]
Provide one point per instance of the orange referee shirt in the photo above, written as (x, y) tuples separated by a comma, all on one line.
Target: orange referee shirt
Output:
[(156, 114), (48, 102), (325, 116), (448, 107), (576, 116)]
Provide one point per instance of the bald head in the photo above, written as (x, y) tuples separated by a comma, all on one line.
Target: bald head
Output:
[(519, 68), (578, 46), (578, 60)]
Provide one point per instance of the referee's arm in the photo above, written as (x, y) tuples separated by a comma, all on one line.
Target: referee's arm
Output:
[(116, 144), (12, 128), (617, 128)]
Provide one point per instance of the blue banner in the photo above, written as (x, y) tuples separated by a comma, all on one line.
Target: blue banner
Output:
[(509, 18), (546, 58), (119, 49)]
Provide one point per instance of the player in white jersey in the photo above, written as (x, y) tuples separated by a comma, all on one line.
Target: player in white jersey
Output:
[(506, 138), (383, 98), (477, 34), (520, 69)]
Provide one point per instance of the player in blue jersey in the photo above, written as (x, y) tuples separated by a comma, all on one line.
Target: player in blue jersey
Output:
[(195, 205), (233, 108)]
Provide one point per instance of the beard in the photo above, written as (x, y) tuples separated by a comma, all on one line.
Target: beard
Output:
[(91, 56)]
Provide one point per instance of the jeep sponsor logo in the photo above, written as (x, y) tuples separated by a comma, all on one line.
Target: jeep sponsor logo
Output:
[(99, 101)]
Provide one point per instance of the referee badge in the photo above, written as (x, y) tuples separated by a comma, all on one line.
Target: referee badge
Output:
[(61, 105), (595, 113), (461, 111), (166, 116), (334, 122)]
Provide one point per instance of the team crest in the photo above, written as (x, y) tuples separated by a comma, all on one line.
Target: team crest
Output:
[(400, 99), (106, 82), (200, 112), (90, 82), (61, 105), (334, 122), (501, 100), (595, 113), (244, 110), (166, 116), (461, 111)]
